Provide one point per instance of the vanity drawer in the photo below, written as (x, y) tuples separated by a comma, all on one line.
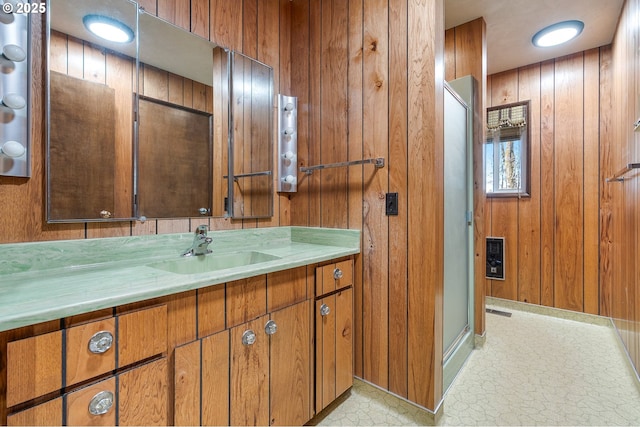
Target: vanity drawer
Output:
[(142, 334), (34, 367), (45, 414), (332, 277), (91, 350), (94, 405)]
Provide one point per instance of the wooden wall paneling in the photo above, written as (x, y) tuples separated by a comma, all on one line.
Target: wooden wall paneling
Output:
[(316, 51), (220, 130), (569, 169), (250, 28), (300, 85), (469, 49), (178, 12), (282, 202), (120, 76), (425, 201), (606, 189), (333, 106), (398, 178), (591, 184), (529, 268), (225, 19), (269, 39), (200, 18), (547, 160), (243, 155), (375, 251), (94, 64), (355, 174), (175, 89), (504, 211), (241, 139), (450, 54)]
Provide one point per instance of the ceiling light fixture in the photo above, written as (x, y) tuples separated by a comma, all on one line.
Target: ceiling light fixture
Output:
[(108, 28), (556, 34)]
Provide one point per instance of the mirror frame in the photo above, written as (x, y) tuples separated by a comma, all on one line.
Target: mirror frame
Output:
[(229, 143)]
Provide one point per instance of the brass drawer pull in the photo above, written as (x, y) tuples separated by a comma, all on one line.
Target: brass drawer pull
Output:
[(337, 274), (100, 342), (101, 403)]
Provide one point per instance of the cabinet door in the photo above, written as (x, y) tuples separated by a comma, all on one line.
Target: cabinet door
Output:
[(249, 392), (45, 414), (215, 379), (201, 382), (142, 395), (187, 385), (334, 347), (290, 365)]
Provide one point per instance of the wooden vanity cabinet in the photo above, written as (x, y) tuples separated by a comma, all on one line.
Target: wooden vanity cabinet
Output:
[(258, 371), (50, 376), (334, 332)]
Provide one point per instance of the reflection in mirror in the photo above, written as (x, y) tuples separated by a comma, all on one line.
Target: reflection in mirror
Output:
[(251, 109), (90, 114), (175, 123), (506, 152)]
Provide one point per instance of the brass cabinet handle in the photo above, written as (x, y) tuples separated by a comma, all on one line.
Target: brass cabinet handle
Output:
[(324, 310), (337, 274), (270, 327), (101, 403), (249, 337), (100, 342)]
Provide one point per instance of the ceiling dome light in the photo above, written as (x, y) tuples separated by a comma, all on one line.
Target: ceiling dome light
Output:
[(108, 28), (556, 34)]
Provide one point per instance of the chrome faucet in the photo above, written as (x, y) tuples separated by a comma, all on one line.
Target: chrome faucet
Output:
[(201, 241)]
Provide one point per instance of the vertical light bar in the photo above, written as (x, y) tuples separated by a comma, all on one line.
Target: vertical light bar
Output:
[(287, 144)]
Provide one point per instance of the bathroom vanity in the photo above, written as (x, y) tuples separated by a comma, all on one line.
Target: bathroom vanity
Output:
[(125, 331)]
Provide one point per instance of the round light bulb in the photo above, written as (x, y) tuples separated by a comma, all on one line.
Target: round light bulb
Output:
[(14, 53), (14, 101), (288, 155), (13, 149)]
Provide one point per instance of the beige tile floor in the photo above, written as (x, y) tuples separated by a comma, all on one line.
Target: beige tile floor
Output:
[(533, 370)]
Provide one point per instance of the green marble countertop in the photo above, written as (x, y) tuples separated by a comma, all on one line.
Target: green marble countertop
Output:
[(43, 281)]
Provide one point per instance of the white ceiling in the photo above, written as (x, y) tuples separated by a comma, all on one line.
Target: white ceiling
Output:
[(512, 23)]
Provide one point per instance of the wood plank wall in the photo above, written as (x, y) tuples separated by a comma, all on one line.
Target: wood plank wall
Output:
[(252, 27), (552, 238), (366, 69), (620, 204), (465, 53)]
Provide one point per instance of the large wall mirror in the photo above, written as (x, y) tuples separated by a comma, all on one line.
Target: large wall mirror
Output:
[(506, 151), (144, 126)]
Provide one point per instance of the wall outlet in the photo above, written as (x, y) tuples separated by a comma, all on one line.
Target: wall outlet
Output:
[(391, 204)]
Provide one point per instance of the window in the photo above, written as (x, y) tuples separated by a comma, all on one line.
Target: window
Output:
[(506, 151)]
